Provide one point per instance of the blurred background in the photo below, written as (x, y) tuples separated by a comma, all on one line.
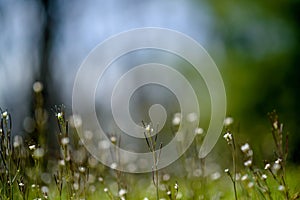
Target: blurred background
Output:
[(255, 44)]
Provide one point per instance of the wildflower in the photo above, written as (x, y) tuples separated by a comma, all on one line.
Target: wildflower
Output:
[(245, 148), (176, 186), (113, 166), (275, 125), (37, 87), (226, 170), (228, 137), (267, 166), (59, 115), (264, 177), (176, 119), (281, 188), (21, 184), (248, 163), (169, 193), (145, 198), (4, 114), (81, 169), (65, 141), (113, 139), (122, 192), (199, 131), (61, 162), (278, 161), (105, 190), (245, 177), (228, 121), (32, 147), (100, 179)]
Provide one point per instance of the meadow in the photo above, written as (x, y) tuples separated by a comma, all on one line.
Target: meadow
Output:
[(30, 171)]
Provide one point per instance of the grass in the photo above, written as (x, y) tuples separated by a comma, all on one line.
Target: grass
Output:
[(29, 171)]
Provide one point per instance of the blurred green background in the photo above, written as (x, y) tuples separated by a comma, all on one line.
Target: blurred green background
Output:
[(255, 44)]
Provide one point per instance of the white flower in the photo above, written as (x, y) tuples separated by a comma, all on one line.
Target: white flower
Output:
[(267, 166), (37, 87), (245, 177), (264, 177), (199, 131), (228, 137), (278, 161), (113, 139), (228, 121), (169, 193), (62, 162), (100, 179), (275, 125), (281, 188), (248, 163), (81, 169), (21, 184), (245, 148), (32, 147), (4, 114), (122, 192), (176, 186), (59, 115), (226, 170), (65, 141), (113, 166), (176, 119), (105, 190)]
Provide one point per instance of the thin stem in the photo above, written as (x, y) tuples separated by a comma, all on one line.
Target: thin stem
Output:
[(234, 167)]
